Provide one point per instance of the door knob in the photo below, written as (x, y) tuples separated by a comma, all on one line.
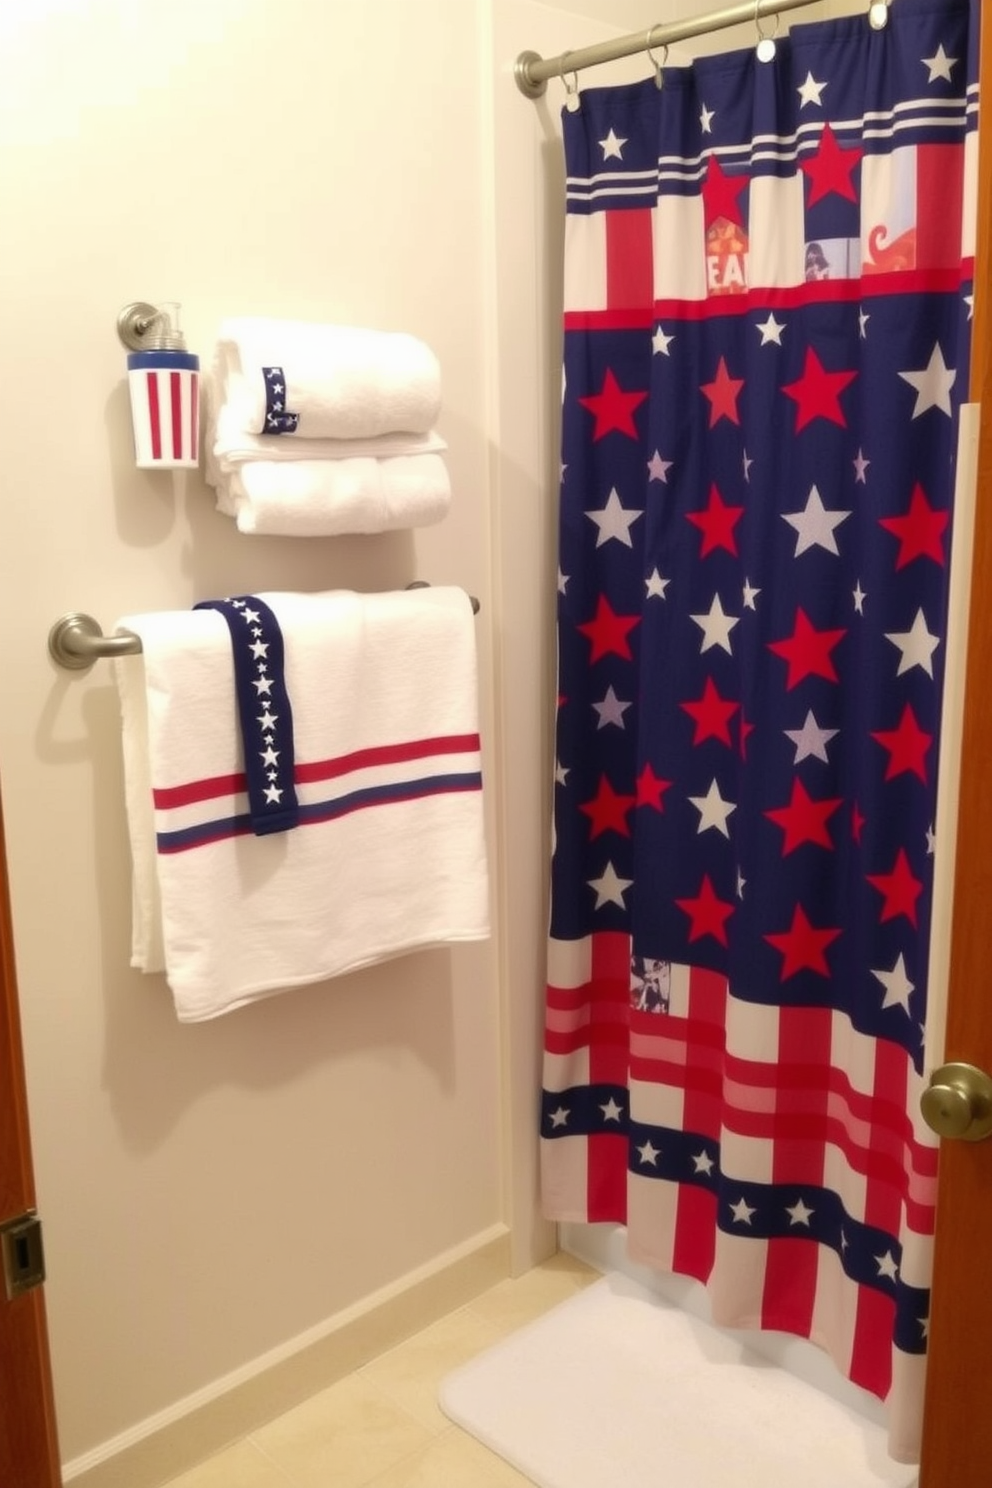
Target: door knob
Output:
[(958, 1102)]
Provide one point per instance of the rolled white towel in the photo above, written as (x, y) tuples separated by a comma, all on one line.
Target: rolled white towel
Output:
[(230, 446), (285, 377), (329, 498)]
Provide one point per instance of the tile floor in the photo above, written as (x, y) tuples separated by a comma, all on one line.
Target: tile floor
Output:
[(381, 1427)]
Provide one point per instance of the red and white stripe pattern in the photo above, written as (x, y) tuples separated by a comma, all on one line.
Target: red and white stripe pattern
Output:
[(165, 409)]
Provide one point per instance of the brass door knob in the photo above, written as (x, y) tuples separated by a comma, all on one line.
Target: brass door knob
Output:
[(958, 1102)]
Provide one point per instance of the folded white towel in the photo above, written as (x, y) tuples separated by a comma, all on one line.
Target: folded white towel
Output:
[(389, 855), (327, 498), (230, 446), (285, 377)]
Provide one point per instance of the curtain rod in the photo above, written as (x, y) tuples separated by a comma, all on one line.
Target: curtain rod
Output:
[(532, 70)]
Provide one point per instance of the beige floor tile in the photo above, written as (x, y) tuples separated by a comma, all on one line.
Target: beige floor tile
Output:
[(455, 1460), (511, 1304), (344, 1436), (240, 1466), (411, 1372)]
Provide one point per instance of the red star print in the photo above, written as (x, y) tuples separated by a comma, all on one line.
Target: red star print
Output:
[(804, 820), (708, 913), (720, 194), (608, 811), (802, 946), (817, 393), (717, 524), (920, 531), (858, 820), (746, 730), (609, 631), (807, 651), (650, 789), (711, 714), (723, 393), (899, 888), (830, 169), (907, 746), (613, 408)]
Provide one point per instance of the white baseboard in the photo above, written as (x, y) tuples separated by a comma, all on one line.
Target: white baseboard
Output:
[(171, 1442)]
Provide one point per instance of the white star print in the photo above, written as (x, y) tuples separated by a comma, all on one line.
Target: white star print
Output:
[(612, 147), (887, 1265), (611, 710), (863, 319), (931, 841), (939, 65), (251, 617), (815, 525), (272, 796), (706, 118), (655, 585), (810, 91), (916, 644), (268, 720), (660, 342), (702, 1162), (560, 1117), (563, 579), (270, 757), (649, 1154), (658, 468), (925, 1325), (750, 595), (610, 888), (799, 1214), (771, 330), (611, 1111), (748, 462), (741, 881), (614, 521), (969, 300), (896, 983), (713, 811), (258, 649), (742, 1212), (859, 599), (263, 684), (716, 627), (932, 383), (860, 467), (561, 773), (811, 740)]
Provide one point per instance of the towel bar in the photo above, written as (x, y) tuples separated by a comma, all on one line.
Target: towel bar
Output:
[(76, 640)]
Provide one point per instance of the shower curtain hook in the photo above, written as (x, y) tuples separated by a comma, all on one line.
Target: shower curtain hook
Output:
[(766, 39), (658, 79), (878, 14), (572, 101)]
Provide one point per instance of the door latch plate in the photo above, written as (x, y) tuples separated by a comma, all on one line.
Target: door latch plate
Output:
[(23, 1254)]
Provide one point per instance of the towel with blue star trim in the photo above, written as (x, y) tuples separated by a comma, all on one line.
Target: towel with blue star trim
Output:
[(264, 710), (376, 767)]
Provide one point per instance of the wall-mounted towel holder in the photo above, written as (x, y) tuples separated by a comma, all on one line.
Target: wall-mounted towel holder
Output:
[(76, 640)]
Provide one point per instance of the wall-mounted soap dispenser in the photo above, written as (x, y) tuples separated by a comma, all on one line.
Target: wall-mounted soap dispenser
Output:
[(164, 381)]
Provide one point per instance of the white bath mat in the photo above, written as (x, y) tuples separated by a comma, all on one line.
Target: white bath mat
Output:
[(617, 1388)]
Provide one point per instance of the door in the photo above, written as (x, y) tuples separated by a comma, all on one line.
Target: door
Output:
[(28, 1447)]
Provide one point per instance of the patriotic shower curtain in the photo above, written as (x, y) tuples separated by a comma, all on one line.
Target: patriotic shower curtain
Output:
[(767, 315)]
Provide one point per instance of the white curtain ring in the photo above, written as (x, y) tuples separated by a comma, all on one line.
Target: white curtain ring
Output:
[(571, 92), (878, 14), (766, 39), (658, 80)]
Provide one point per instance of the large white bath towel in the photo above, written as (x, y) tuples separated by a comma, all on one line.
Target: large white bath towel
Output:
[(326, 381), (389, 856)]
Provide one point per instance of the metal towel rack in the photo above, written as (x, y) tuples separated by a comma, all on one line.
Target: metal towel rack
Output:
[(76, 640)]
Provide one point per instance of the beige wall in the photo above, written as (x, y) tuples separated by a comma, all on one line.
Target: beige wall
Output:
[(211, 1191)]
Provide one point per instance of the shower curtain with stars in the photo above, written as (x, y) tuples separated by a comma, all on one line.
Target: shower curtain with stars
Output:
[(766, 341)]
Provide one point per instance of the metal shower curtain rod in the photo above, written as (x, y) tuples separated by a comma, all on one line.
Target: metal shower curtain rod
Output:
[(532, 70)]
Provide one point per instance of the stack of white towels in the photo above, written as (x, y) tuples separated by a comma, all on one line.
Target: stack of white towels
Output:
[(321, 430)]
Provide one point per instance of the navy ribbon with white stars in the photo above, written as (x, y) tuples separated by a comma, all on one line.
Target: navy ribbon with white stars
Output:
[(263, 710), (278, 419)]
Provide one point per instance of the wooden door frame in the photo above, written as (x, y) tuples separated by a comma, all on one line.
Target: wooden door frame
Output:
[(29, 1454), (957, 1434)]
